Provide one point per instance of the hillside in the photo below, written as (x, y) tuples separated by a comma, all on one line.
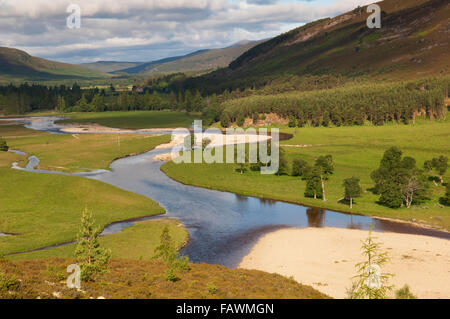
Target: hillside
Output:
[(110, 66), (196, 62), (19, 65), (126, 279), (413, 42)]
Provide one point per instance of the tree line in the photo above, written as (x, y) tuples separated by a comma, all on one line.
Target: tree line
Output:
[(349, 105), (398, 180), (28, 98)]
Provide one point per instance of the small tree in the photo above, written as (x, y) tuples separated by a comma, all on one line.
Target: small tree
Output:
[(446, 198), (3, 145), (167, 252), (352, 189), (92, 259), (371, 282), (313, 184), (404, 293), (299, 167), (326, 167), (282, 164), (440, 165)]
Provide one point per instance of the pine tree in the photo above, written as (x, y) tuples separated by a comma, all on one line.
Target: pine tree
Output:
[(167, 252), (92, 259), (371, 282)]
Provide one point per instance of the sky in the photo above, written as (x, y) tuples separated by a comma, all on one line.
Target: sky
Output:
[(147, 30)]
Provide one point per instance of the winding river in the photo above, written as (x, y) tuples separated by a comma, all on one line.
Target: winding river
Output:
[(223, 226)]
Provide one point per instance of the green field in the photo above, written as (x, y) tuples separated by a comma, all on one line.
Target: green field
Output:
[(136, 119), (46, 209), (74, 153), (356, 151)]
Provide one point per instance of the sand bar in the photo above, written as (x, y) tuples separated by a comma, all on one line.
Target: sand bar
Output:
[(325, 258)]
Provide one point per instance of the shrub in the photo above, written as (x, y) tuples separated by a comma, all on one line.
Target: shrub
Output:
[(3, 145), (212, 289), (8, 283), (404, 293)]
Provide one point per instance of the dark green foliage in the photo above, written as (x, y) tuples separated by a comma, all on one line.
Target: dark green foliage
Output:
[(299, 168), (240, 120), (398, 181), (352, 189), (326, 169), (314, 184), (292, 122), (225, 120), (3, 145), (282, 164), (348, 105), (241, 168), (446, 199), (440, 165)]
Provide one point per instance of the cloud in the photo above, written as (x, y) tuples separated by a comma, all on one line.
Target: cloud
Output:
[(144, 30)]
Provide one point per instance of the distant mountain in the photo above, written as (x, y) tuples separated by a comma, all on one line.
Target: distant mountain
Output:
[(413, 42), (196, 62), (110, 66), (17, 65)]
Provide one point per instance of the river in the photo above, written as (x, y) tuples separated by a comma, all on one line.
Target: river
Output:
[(222, 226)]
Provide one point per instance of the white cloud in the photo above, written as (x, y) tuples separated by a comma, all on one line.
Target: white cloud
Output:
[(143, 30)]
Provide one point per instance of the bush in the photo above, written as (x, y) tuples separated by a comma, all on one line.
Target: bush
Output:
[(212, 289), (3, 145), (299, 167), (404, 293), (8, 283)]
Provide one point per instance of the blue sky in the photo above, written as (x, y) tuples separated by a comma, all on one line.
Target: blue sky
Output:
[(145, 30)]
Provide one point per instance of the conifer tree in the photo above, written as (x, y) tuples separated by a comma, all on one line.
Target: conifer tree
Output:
[(92, 259)]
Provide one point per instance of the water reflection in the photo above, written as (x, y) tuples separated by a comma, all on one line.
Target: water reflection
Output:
[(316, 217)]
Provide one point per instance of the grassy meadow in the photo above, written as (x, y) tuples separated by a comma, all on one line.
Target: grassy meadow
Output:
[(46, 209), (356, 151), (134, 120), (77, 153)]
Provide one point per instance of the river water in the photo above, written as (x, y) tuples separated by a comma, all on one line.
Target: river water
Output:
[(223, 227)]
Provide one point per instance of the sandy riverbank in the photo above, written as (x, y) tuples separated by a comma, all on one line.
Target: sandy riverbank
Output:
[(325, 258)]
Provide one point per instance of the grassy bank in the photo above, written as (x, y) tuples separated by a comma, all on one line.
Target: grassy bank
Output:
[(127, 279), (74, 153), (46, 209), (135, 120), (356, 151), (136, 242)]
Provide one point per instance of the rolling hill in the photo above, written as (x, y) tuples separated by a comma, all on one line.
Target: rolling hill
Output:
[(110, 66), (413, 42), (17, 65), (196, 62)]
